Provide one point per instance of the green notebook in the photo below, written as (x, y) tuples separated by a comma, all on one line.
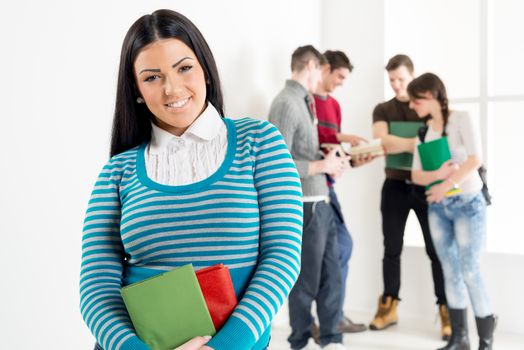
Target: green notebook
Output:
[(168, 309), (402, 161), (432, 155)]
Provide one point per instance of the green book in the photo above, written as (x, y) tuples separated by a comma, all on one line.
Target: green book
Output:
[(402, 161), (432, 155), (168, 309)]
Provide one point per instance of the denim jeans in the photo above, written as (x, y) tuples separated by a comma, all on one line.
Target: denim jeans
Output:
[(458, 229), (319, 279), (345, 247)]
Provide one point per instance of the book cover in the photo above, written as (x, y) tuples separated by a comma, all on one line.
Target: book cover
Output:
[(219, 293), (327, 147), (432, 155), (168, 309), (373, 148), (402, 161)]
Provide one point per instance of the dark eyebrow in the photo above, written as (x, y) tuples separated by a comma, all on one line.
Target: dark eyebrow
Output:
[(158, 70), (180, 61)]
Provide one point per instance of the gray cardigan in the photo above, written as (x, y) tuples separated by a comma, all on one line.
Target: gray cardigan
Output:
[(290, 113)]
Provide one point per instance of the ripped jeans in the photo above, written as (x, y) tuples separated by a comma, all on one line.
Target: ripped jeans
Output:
[(458, 230)]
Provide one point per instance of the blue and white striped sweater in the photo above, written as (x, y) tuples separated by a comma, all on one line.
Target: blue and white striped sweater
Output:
[(248, 215)]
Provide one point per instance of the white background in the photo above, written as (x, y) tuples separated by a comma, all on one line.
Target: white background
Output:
[(58, 64)]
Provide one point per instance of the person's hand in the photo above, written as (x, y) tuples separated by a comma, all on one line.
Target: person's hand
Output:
[(335, 165), (197, 343), (354, 140), (361, 159), (345, 164), (447, 168), (437, 192)]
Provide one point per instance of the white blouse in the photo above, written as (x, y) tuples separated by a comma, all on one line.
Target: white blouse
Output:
[(464, 140), (189, 158)]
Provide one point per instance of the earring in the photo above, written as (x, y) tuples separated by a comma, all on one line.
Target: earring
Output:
[(139, 100)]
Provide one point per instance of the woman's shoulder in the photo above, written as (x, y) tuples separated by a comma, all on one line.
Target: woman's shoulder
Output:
[(460, 117), (252, 124), (253, 131), (458, 113), (123, 160)]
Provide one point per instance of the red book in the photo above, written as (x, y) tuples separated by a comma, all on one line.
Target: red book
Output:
[(217, 288)]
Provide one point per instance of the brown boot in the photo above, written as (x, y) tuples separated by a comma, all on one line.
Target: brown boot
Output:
[(315, 332), (386, 314), (445, 324)]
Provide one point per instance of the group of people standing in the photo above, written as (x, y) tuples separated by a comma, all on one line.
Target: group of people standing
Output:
[(453, 227), (184, 184)]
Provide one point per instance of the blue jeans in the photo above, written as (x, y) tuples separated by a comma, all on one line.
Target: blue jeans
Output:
[(319, 279), (345, 247), (458, 229)]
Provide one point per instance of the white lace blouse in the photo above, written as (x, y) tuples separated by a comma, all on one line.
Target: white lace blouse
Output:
[(189, 158)]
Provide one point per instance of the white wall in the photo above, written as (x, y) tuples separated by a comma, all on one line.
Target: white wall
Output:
[(59, 62), (356, 27)]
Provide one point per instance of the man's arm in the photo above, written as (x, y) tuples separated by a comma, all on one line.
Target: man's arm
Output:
[(354, 140), (393, 144), (284, 118)]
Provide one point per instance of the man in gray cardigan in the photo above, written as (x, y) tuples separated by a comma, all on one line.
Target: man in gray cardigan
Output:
[(292, 112)]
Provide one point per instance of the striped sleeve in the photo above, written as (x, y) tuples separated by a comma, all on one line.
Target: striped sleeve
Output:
[(101, 304), (280, 202)]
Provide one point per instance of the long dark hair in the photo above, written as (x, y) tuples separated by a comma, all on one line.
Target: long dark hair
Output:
[(132, 121), (432, 83)]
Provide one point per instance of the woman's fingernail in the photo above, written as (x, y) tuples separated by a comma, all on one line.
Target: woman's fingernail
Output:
[(207, 337)]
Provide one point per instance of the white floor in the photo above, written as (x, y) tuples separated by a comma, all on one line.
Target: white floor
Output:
[(407, 335)]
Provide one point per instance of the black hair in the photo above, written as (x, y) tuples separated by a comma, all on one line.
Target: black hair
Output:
[(132, 120), (337, 59)]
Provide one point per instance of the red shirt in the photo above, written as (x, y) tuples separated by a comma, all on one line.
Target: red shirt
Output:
[(329, 118)]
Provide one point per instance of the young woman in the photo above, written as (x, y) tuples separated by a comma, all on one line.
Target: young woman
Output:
[(186, 185), (458, 222)]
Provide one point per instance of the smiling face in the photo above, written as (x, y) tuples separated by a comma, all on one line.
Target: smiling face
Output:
[(333, 79), (172, 83), (424, 105), (399, 80)]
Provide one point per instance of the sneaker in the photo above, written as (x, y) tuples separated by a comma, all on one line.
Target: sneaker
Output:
[(348, 326), (334, 346), (310, 346)]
